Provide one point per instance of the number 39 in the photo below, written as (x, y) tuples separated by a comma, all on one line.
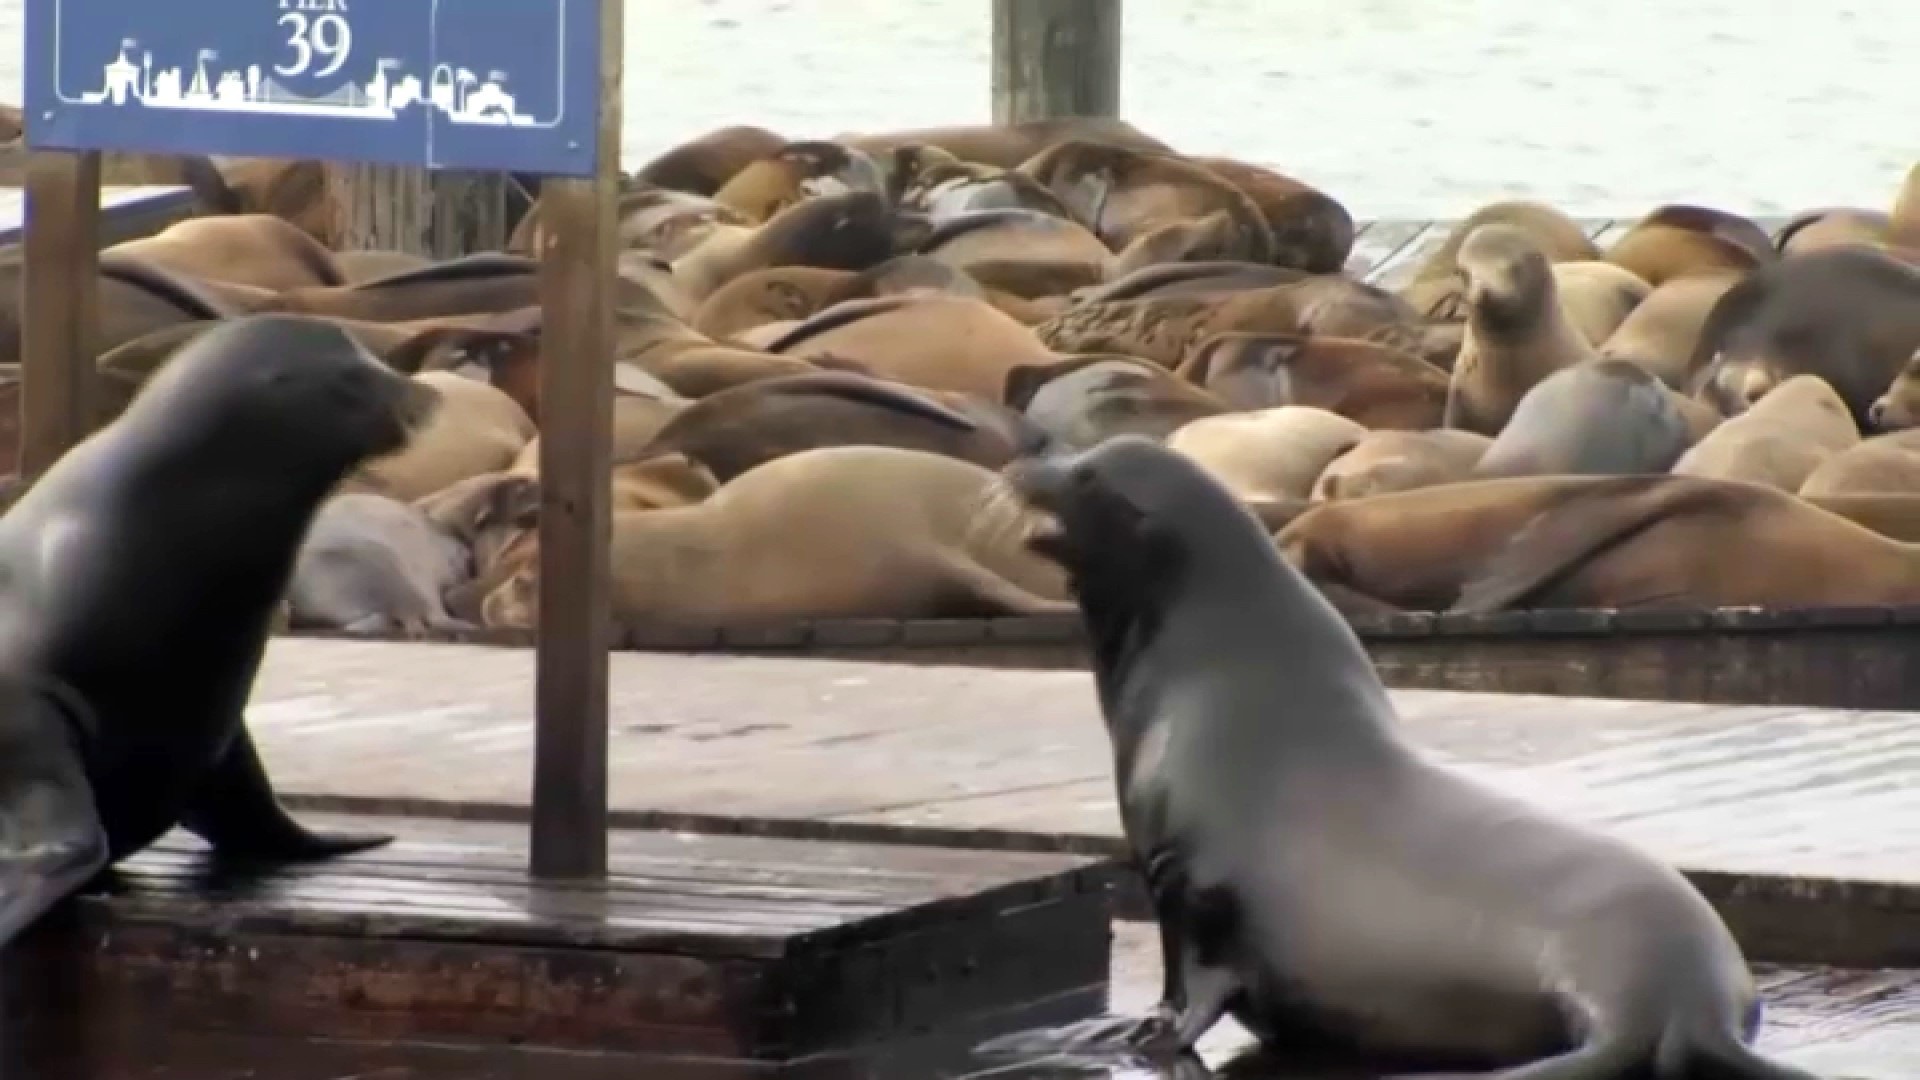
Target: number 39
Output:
[(329, 36)]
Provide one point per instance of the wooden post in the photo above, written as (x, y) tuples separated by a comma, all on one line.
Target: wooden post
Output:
[(60, 298), (577, 250), (439, 215), (1055, 59)]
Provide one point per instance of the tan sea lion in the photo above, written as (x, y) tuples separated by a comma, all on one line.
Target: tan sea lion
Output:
[(935, 342), (1124, 195), (653, 340), (1899, 408), (795, 172), (1388, 461), (839, 532), (1518, 332), (660, 483), (1894, 516), (637, 420), (1438, 286), (1839, 227), (1677, 241), (1023, 252), (1664, 541), (1602, 417), (1848, 315), (1597, 296), (360, 267), (1084, 400), (251, 249), (704, 163), (1311, 230), (837, 232), (1268, 454), (1374, 385), (1006, 145), (774, 294), (470, 285), (736, 430), (1165, 329), (477, 429), (1663, 330), (1881, 465), (1779, 441)]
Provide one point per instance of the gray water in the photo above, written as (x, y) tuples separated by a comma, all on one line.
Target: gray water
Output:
[(1398, 107)]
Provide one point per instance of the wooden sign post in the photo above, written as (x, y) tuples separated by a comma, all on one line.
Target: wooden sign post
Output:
[(529, 87)]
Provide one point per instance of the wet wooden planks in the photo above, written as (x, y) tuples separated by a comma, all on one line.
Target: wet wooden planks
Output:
[(975, 756), (754, 951)]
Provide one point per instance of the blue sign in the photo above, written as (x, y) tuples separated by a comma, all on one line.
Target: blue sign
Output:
[(454, 84)]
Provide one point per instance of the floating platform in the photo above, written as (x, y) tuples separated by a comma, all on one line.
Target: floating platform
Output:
[(701, 957), (1798, 823)]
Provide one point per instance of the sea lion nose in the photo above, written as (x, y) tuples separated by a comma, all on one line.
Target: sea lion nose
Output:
[(1877, 412)]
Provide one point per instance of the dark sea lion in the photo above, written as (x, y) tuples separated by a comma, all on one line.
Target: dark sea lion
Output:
[(1439, 286), (252, 249), (1848, 315), (1790, 432), (1083, 400), (1518, 332), (132, 641), (1388, 461), (705, 162), (795, 172), (1311, 230), (1663, 329), (838, 232), (1677, 240), (1603, 417), (1267, 797), (734, 430), (1374, 385), (1023, 252), (1662, 541), (1123, 195), (470, 285), (1881, 465), (376, 566), (1006, 145)]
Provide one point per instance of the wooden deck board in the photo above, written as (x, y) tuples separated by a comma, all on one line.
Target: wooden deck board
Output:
[(1729, 789)]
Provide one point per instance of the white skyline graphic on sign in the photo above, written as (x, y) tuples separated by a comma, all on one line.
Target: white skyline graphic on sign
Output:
[(460, 94)]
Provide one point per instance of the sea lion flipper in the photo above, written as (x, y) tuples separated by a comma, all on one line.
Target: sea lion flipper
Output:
[(52, 842), (236, 811)]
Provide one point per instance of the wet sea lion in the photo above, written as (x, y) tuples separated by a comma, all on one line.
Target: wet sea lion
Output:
[(1778, 442), (477, 429), (1881, 465), (1374, 385), (1848, 315), (1438, 286), (1387, 461), (1124, 195), (1083, 400), (838, 532), (798, 171), (373, 565), (1677, 241), (1269, 454), (736, 430), (251, 249), (1662, 331), (1267, 796), (705, 162), (934, 342), (132, 643), (1662, 541), (1518, 332), (1603, 417), (1311, 230)]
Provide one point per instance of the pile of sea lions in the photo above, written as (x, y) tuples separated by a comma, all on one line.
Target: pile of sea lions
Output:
[(827, 348)]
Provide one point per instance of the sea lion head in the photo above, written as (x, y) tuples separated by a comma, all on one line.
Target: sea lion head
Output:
[(1509, 280), (836, 232), (289, 393), (1899, 408)]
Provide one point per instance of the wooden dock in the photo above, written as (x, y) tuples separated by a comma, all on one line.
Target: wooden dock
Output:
[(1388, 253)]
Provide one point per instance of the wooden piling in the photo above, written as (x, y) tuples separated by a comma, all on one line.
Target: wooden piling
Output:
[(439, 215), (1055, 59), (60, 295)]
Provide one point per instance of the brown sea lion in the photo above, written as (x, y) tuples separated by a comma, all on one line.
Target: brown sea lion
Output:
[(1388, 461), (1268, 454), (947, 189), (1022, 252), (837, 232), (1084, 400), (1438, 286), (1374, 385), (300, 191), (775, 294), (1899, 408), (1894, 516), (1188, 279), (660, 483), (838, 532), (934, 342), (1836, 227), (704, 163), (252, 249), (1518, 332), (1848, 315), (1311, 230), (1603, 417), (1124, 195), (1597, 296), (637, 420), (1778, 442), (1663, 330), (1006, 145), (1677, 241), (470, 285), (795, 172), (1881, 465), (736, 430), (1663, 541), (1165, 329), (652, 339), (477, 429)]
